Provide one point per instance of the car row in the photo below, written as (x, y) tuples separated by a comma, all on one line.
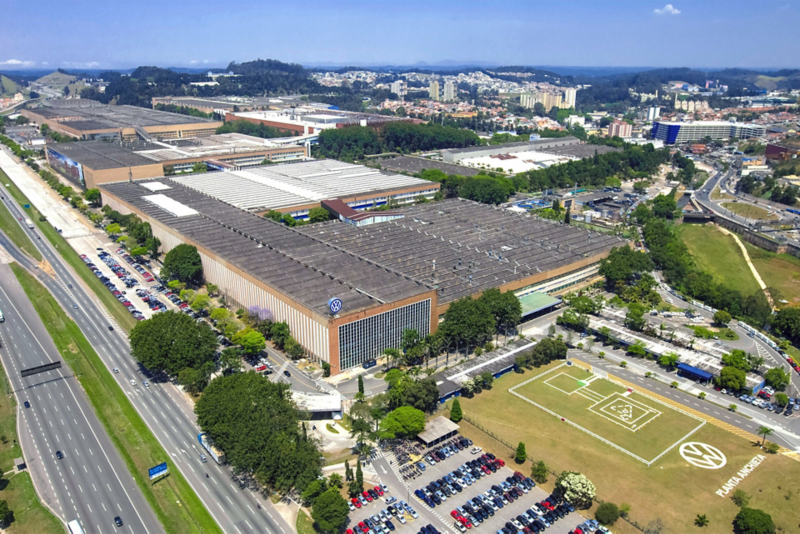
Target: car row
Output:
[(539, 517), (789, 409), (119, 295), (151, 300), (449, 485), (135, 264)]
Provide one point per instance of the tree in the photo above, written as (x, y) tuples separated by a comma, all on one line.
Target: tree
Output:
[(422, 395), (740, 498), (92, 196), (212, 289), (753, 521), (539, 472), (317, 215), (721, 317), (274, 215), (455, 411), (348, 473), (607, 513), (280, 333), (293, 348), (336, 481), (6, 514), (469, 321), (403, 422), (171, 342), (359, 477), (787, 323), (731, 378), (575, 488), (330, 511), (113, 229), (199, 167), (313, 490), (201, 302), (520, 455), (765, 431), (251, 341), (634, 319), (737, 359), (567, 217), (257, 424), (230, 359), (183, 263), (701, 520), (781, 399), (669, 361), (138, 252), (360, 384), (777, 378)]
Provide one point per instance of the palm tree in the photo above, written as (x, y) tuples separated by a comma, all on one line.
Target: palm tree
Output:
[(701, 520), (765, 431)]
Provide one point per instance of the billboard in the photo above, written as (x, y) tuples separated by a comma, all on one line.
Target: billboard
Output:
[(158, 471), (40, 369), (69, 168)]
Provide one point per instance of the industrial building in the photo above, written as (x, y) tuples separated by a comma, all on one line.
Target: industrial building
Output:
[(296, 189), (92, 120), (348, 292), (684, 132), (454, 155), (229, 104), (310, 119), (90, 163)]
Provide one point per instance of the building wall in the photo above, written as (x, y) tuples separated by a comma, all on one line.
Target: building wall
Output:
[(293, 128)]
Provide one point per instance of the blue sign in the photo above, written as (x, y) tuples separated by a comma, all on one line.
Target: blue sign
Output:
[(335, 305), (26, 206), (158, 471)]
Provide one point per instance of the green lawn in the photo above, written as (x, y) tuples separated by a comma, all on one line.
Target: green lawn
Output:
[(124, 319), (671, 490), (779, 271), (720, 256), (305, 525), (30, 516), (749, 211), (14, 231), (174, 502), (600, 408)]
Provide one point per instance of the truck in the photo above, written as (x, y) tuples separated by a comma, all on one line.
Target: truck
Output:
[(29, 223), (215, 453)]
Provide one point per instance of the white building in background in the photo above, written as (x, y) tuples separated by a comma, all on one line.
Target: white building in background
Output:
[(449, 92), (572, 120), (653, 113), (433, 91), (569, 97), (400, 88)]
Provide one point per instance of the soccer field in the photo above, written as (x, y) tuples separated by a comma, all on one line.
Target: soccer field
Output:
[(629, 421)]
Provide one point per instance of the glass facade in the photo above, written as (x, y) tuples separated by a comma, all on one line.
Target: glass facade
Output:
[(366, 339)]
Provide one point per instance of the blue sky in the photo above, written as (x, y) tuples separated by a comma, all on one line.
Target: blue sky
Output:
[(128, 33)]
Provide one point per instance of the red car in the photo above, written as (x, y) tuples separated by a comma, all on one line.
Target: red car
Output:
[(464, 521), (367, 496), (486, 470), (547, 505), (379, 491), (348, 531), (362, 526), (455, 515), (356, 502), (263, 368), (500, 462)]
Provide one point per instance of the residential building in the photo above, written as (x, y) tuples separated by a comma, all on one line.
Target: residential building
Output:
[(433, 91), (569, 97), (449, 92), (653, 113), (620, 128), (400, 88), (684, 132)]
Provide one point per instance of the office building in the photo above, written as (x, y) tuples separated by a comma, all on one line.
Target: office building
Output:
[(433, 91), (347, 291), (90, 163), (400, 88), (450, 92), (620, 128), (684, 132), (88, 119)]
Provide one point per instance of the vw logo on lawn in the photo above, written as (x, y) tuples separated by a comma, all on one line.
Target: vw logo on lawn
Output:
[(335, 305), (703, 455)]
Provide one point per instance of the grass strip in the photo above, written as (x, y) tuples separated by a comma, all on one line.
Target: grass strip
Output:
[(30, 515), (124, 319), (305, 525), (173, 500), (15, 232)]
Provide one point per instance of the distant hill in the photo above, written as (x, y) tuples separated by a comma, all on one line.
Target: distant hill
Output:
[(8, 87), (57, 79)]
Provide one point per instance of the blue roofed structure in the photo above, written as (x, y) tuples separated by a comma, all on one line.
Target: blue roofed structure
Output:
[(694, 373)]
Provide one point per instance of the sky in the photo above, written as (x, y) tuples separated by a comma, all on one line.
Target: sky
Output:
[(181, 33)]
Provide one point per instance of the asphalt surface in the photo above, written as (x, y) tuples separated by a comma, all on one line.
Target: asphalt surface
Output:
[(234, 503), (91, 483)]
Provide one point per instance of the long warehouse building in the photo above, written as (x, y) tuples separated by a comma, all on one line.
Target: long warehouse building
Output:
[(349, 291)]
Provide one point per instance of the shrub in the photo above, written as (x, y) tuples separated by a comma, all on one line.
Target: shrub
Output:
[(607, 513)]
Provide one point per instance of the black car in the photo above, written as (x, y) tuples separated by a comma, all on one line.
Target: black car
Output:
[(59, 455), (287, 373), (118, 521), (27, 404)]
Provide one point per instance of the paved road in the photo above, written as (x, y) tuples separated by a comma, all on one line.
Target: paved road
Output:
[(233, 503), (91, 483)]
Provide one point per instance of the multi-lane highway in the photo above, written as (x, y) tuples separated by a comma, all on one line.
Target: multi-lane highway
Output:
[(90, 482), (234, 504)]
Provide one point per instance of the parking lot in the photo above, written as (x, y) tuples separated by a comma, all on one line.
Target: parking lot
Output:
[(482, 485), (403, 520)]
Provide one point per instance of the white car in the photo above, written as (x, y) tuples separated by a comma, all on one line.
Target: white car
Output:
[(476, 450), (133, 382), (116, 371)]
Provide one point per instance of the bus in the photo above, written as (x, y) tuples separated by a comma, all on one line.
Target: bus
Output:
[(74, 527)]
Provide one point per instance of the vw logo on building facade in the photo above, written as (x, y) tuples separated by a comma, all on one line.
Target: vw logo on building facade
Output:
[(335, 305), (703, 455)]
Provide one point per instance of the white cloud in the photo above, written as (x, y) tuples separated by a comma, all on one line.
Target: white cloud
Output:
[(207, 61), (193, 62), (669, 9), (17, 63), (81, 64)]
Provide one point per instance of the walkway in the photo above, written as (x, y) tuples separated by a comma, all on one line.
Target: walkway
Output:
[(753, 270)]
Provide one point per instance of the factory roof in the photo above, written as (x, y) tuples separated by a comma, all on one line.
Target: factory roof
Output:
[(532, 144), (110, 155), (283, 186), (93, 117), (304, 269), (413, 164)]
